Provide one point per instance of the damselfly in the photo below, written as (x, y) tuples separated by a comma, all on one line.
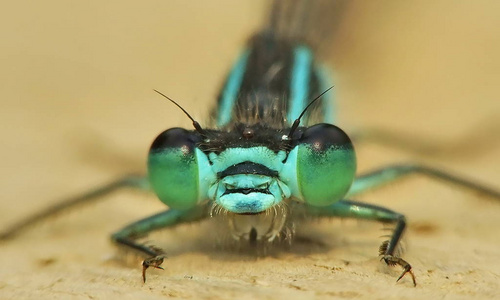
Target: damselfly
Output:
[(273, 160)]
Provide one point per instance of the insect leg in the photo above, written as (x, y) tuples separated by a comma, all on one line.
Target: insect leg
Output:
[(127, 236), (130, 181), (388, 174), (359, 210)]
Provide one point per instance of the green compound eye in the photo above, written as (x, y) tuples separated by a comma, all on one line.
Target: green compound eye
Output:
[(326, 164), (173, 168)]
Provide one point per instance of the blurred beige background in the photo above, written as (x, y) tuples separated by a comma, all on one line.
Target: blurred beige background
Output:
[(78, 110)]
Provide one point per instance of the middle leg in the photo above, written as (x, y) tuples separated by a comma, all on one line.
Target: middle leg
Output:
[(392, 173), (359, 210)]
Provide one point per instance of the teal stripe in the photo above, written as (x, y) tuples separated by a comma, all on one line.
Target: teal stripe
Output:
[(300, 82), (231, 89), (328, 101)]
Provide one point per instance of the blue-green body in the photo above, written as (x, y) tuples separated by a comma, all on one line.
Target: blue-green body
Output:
[(273, 156), (252, 162)]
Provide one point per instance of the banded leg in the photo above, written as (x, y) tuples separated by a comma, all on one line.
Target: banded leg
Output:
[(172, 217), (388, 174), (131, 181), (359, 210)]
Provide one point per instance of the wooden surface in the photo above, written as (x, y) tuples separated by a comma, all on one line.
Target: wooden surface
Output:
[(78, 110)]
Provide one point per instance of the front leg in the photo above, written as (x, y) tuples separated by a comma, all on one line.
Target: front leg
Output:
[(359, 210), (127, 236)]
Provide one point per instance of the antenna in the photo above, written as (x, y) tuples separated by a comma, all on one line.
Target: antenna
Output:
[(195, 123), (297, 121)]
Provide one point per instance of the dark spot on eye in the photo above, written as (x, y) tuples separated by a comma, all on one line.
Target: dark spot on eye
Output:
[(248, 133), (323, 136)]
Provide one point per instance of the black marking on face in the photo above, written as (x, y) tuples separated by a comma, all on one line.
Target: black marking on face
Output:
[(248, 168)]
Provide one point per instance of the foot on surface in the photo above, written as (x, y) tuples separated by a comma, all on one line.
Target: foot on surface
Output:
[(154, 262), (393, 260)]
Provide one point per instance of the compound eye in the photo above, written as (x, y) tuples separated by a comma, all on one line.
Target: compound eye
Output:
[(326, 164), (173, 168)]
